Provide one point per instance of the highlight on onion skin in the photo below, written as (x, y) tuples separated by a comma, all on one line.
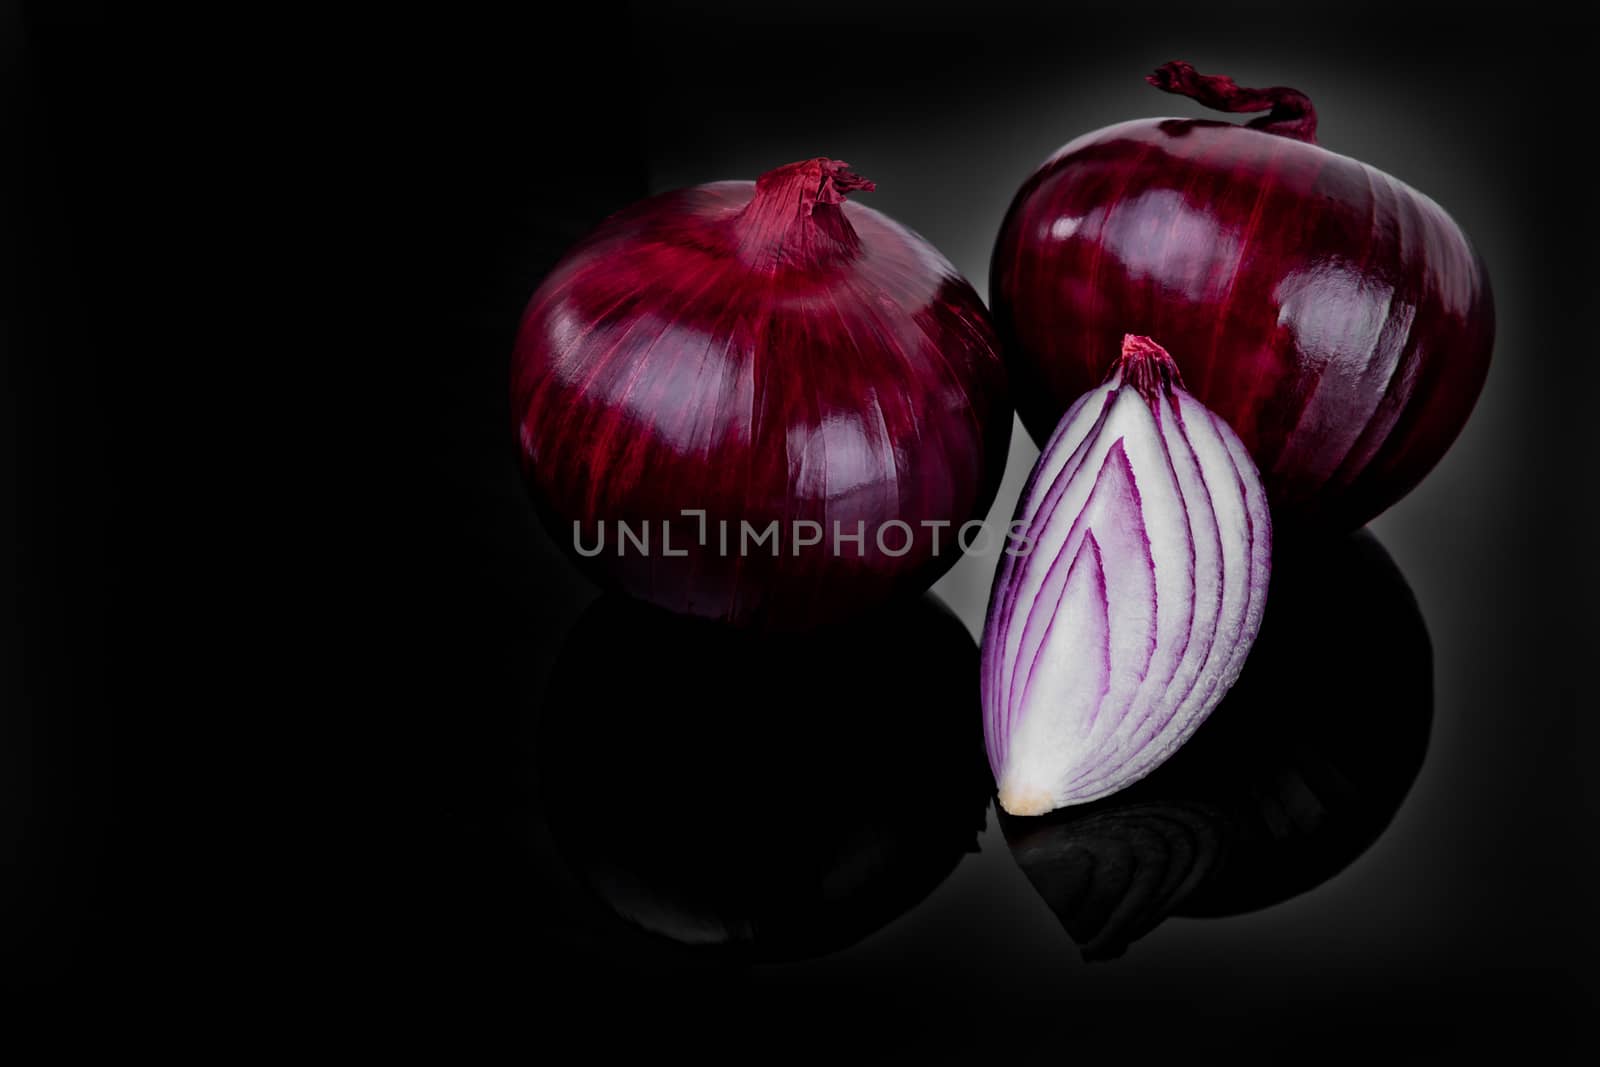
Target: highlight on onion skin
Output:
[(1296, 774), (1339, 320), (1112, 639), (762, 352), (741, 797)]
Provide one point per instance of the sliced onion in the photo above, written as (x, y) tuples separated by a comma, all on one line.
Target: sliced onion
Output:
[(1127, 611)]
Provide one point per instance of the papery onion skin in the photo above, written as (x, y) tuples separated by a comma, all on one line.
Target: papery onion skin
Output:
[(1339, 320), (762, 357), (1150, 551)]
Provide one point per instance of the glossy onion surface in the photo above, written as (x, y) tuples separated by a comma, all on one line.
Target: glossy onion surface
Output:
[(762, 352), (1338, 319)]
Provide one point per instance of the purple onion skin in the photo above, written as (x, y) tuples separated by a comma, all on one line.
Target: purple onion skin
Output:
[(781, 357), (1338, 319)]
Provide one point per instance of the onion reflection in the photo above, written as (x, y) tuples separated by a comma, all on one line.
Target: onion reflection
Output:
[(767, 798), (1295, 775)]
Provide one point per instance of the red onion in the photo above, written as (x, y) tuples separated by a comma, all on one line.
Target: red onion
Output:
[(812, 382), (1130, 615), (1336, 318)]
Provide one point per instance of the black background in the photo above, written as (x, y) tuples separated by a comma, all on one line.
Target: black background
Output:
[(284, 616)]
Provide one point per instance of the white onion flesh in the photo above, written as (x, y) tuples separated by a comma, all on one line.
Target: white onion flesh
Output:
[(1131, 614)]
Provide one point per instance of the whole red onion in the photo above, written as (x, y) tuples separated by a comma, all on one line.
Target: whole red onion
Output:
[(781, 360), (1336, 318)]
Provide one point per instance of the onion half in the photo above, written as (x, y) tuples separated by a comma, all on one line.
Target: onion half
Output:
[(1129, 615)]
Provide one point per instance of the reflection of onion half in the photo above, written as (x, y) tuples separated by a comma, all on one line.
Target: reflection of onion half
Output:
[(1112, 875), (1293, 777), (776, 798)]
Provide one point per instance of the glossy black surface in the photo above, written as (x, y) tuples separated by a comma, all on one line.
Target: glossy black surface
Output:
[(762, 799), (343, 734)]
